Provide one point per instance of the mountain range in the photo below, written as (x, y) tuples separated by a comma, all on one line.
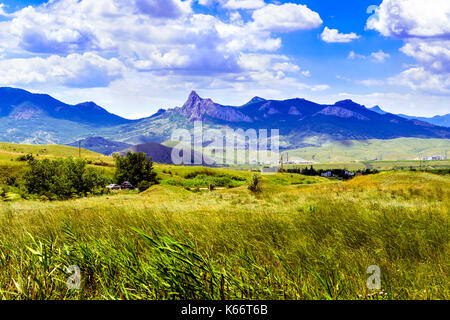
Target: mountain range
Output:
[(40, 119), (443, 121)]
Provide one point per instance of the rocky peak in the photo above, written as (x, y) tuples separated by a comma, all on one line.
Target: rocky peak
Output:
[(192, 99), (256, 99), (347, 103), (196, 109)]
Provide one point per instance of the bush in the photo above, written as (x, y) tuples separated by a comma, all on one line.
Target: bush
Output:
[(11, 181), (23, 158), (254, 185), (144, 185), (134, 168), (63, 179)]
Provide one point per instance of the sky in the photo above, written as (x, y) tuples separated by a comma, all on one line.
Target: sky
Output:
[(134, 57)]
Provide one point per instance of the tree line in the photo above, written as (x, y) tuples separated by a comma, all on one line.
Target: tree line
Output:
[(62, 179)]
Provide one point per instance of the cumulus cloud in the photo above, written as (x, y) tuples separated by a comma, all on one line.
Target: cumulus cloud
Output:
[(96, 43), (244, 4), (333, 36), (425, 29), (75, 70), (419, 78), (161, 8), (235, 4), (285, 18), (411, 18), (433, 54)]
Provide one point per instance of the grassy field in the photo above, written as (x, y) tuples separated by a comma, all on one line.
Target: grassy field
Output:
[(310, 241), (300, 238), (364, 150), (379, 165)]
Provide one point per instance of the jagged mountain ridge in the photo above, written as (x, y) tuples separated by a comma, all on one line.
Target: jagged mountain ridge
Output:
[(41, 119)]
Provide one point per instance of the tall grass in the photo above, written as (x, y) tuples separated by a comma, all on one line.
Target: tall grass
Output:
[(286, 242)]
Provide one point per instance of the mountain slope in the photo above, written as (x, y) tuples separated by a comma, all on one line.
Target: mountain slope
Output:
[(160, 153), (443, 121), (297, 119), (19, 104), (100, 145), (41, 119)]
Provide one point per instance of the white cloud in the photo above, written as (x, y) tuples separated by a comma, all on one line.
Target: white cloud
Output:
[(366, 82), (333, 36), (2, 11), (170, 38), (138, 46), (286, 17), (244, 4), (371, 82), (82, 71), (420, 79), (425, 28), (411, 18), (379, 56), (433, 54)]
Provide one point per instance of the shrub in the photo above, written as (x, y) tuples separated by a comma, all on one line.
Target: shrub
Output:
[(254, 185), (144, 185), (23, 158), (11, 181)]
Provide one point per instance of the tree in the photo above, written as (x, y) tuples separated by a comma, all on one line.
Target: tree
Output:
[(134, 168), (63, 178)]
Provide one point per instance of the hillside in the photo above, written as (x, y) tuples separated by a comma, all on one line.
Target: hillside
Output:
[(100, 145), (161, 153)]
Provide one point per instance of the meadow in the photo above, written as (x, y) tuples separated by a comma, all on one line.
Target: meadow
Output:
[(374, 149), (299, 238)]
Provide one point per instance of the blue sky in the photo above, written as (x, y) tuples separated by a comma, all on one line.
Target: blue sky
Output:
[(135, 56)]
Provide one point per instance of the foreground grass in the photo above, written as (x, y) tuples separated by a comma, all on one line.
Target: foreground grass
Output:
[(288, 242)]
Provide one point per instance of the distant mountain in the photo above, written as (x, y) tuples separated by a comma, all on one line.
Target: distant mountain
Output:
[(20, 104), (100, 145), (377, 109), (443, 121), (158, 152), (41, 119)]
